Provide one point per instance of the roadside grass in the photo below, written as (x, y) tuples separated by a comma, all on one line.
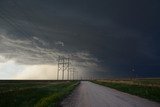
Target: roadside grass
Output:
[(152, 82), (35, 95), (145, 91)]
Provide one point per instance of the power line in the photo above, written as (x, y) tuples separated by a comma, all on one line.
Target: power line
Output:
[(63, 67), (6, 16), (13, 24)]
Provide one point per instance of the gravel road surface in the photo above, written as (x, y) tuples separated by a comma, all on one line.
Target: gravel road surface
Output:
[(88, 94)]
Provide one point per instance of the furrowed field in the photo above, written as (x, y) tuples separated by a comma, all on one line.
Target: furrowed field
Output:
[(146, 88), (34, 93)]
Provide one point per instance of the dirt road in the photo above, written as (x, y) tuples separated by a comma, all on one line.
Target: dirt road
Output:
[(92, 95)]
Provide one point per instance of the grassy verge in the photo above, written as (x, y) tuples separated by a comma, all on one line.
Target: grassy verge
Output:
[(35, 95), (149, 92)]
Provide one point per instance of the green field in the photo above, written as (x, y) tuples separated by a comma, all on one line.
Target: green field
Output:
[(34, 93), (146, 88)]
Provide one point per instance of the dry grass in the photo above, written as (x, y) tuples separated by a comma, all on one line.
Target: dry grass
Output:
[(146, 88)]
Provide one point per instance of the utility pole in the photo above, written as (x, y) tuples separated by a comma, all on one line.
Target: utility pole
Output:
[(133, 72), (63, 69), (72, 73), (63, 66), (77, 74), (68, 68), (58, 68)]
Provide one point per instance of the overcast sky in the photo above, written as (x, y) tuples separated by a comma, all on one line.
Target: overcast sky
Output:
[(105, 38)]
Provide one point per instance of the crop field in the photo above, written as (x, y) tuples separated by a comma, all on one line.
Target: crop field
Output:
[(146, 88), (34, 93)]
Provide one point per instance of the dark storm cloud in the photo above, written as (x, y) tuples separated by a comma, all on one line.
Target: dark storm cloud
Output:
[(113, 34)]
